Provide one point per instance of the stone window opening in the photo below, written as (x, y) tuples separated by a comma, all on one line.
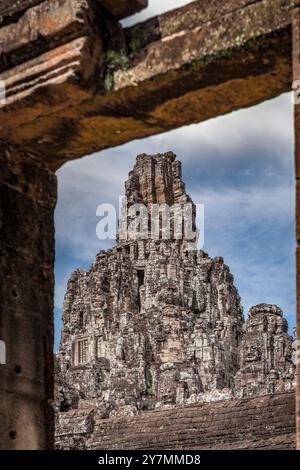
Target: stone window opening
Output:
[(65, 406), (80, 352), (81, 319), (141, 277)]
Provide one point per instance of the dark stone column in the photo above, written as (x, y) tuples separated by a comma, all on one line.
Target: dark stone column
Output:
[(27, 202), (296, 77)]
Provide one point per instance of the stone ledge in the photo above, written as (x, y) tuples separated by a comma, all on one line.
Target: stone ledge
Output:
[(156, 430)]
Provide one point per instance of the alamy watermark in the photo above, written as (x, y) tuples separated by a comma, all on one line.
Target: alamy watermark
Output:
[(2, 353), (153, 222), (2, 93)]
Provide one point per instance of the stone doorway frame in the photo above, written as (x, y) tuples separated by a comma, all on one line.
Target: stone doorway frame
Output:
[(90, 84)]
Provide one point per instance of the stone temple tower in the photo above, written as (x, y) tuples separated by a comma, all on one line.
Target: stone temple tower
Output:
[(154, 323), (266, 351)]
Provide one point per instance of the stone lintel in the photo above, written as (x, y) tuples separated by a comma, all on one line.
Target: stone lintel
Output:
[(10, 11), (186, 66)]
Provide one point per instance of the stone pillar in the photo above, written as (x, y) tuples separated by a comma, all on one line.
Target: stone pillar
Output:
[(27, 202), (296, 86)]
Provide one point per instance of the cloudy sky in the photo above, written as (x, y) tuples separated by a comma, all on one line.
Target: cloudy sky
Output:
[(240, 166)]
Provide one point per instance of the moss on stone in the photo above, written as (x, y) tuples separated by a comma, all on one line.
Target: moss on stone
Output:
[(140, 37), (115, 60)]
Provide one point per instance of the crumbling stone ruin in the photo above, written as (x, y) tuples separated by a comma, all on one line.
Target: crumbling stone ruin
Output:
[(265, 364), (155, 324), (78, 82)]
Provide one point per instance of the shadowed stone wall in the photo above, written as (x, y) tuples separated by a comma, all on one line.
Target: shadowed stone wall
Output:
[(27, 201)]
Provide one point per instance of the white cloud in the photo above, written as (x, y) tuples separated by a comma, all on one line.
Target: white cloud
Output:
[(253, 231), (256, 203), (267, 128)]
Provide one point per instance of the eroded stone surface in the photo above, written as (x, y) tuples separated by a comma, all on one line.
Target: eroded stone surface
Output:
[(77, 82), (153, 325), (266, 422), (266, 351), (27, 202)]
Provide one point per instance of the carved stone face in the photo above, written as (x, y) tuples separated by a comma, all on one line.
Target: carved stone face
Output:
[(252, 353), (167, 388)]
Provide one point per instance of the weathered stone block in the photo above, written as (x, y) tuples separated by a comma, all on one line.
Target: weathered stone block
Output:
[(203, 60), (20, 278), (22, 423), (259, 423), (24, 372), (31, 223), (41, 28), (27, 201)]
